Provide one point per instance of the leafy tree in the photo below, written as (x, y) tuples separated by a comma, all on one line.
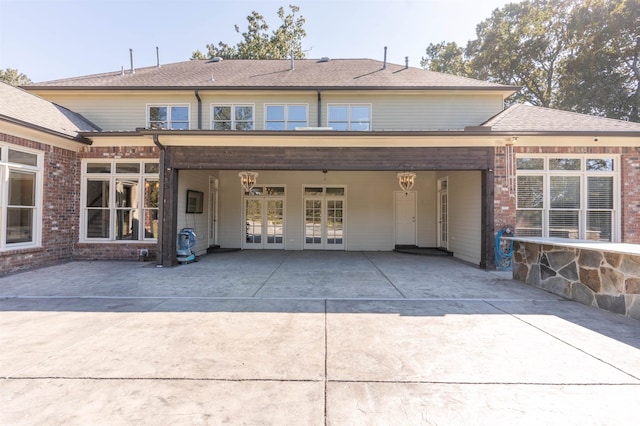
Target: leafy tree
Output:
[(258, 43), (603, 77), (525, 44), (445, 57), (579, 55), (14, 77)]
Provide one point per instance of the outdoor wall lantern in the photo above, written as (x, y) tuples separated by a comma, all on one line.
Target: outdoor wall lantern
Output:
[(248, 180), (406, 180)]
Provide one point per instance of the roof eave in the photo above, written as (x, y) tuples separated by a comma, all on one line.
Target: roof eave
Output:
[(510, 89), (470, 132), (79, 137)]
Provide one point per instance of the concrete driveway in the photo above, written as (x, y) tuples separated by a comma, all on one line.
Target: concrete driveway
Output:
[(307, 338)]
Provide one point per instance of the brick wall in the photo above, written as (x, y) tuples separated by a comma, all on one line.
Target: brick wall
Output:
[(115, 251), (504, 203), (59, 209)]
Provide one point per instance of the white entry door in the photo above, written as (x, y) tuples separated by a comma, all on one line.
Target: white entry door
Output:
[(405, 217)]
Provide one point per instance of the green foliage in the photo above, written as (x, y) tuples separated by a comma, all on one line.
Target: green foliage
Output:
[(14, 77), (603, 76), (445, 57), (579, 55), (258, 43)]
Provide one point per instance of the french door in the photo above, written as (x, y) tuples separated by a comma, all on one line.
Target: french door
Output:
[(443, 213), (324, 220), (264, 219)]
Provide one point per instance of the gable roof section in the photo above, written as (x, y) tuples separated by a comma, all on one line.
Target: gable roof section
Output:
[(23, 108), (275, 74), (528, 118)]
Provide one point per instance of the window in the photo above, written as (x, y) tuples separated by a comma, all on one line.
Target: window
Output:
[(232, 117), (350, 117), (285, 117), (21, 193), (567, 197), (120, 200), (174, 117)]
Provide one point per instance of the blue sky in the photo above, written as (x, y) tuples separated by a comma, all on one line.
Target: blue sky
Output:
[(51, 39)]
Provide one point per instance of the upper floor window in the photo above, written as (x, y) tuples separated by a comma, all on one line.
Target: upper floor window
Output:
[(175, 117), (285, 117), (20, 197), (232, 117), (120, 200), (567, 197), (350, 117)]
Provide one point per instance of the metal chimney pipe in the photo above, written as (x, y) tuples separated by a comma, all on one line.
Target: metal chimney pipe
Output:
[(406, 62), (158, 56), (131, 56), (292, 63), (384, 66)]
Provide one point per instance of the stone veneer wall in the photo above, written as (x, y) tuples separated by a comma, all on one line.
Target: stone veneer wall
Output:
[(603, 279)]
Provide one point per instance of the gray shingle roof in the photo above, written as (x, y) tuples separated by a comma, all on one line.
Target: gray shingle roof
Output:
[(528, 118), (19, 106), (248, 74)]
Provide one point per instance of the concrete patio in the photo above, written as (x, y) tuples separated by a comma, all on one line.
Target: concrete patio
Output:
[(307, 338)]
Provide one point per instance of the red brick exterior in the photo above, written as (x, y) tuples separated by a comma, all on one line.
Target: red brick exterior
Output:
[(61, 210), (504, 204)]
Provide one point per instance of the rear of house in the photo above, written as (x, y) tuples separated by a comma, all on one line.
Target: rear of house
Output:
[(330, 143)]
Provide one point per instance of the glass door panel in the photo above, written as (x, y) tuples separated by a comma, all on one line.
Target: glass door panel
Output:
[(253, 217), (313, 223), (334, 226), (275, 222)]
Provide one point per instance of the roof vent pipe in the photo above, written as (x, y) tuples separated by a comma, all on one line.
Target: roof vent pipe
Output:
[(406, 62), (292, 64), (158, 56), (384, 65), (131, 56)]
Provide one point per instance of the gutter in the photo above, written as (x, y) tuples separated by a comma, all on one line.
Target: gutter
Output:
[(199, 108), (512, 89), (319, 109), (473, 131)]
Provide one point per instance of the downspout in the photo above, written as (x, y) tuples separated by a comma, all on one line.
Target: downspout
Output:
[(199, 109), (319, 109), (159, 258)]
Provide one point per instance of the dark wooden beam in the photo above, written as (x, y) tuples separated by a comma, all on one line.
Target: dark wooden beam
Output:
[(168, 211), (331, 158)]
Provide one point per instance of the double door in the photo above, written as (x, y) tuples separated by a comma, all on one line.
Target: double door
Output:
[(264, 223), (324, 218)]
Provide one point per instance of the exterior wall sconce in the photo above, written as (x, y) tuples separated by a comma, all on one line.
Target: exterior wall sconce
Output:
[(406, 180), (248, 180)]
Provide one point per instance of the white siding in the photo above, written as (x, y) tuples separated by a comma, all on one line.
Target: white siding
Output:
[(369, 207), (465, 214), (198, 181), (395, 111)]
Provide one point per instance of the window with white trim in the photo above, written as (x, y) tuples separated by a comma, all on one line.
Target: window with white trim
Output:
[(567, 197), (21, 197), (172, 117), (231, 117), (120, 200), (285, 117), (349, 117)]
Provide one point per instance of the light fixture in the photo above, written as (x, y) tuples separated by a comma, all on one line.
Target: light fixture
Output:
[(248, 180), (406, 180)]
